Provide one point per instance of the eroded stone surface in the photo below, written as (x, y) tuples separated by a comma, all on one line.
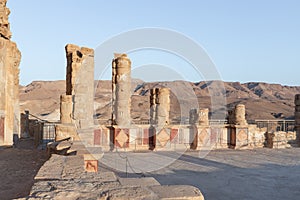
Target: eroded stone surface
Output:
[(121, 86), (134, 182), (80, 84), (173, 192), (160, 106), (237, 116), (64, 178), (10, 58)]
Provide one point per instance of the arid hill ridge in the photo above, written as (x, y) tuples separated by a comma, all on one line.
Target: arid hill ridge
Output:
[(262, 100)]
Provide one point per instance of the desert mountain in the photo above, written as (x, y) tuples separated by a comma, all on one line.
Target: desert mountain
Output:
[(262, 100)]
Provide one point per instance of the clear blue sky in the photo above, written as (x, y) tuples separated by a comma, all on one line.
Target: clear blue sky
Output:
[(248, 40)]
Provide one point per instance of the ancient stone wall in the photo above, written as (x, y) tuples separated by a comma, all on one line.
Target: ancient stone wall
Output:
[(10, 58), (79, 87), (121, 86)]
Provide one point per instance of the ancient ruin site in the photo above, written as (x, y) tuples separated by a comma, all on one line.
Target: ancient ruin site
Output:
[(121, 136)]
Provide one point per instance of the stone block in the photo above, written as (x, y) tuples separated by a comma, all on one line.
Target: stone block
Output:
[(90, 163), (177, 192), (142, 182), (63, 131), (66, 109)]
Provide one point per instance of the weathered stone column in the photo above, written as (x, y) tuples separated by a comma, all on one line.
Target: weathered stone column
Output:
[(203, 117), (66, 109), (160, 106), (80, 84), (238, 127), (240, 115), (163, 107), (121, 86), (297, 117), (10, 58), (237, 116), (193, 117), (153, 106)]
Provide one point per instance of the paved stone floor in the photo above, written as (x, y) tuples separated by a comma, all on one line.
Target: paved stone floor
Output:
[(222, 174)]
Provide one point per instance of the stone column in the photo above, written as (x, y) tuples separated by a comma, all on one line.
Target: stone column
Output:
[(163, 107), (160, 106), (297, 117), (121, 86), (153, 106), (240, 115), (203, 117), (193, 117), (66, 109), (80, 84), (238, 128)]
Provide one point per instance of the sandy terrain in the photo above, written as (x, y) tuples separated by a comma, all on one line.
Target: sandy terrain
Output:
[(18, 167)]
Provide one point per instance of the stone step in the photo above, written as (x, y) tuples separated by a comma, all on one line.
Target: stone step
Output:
[(134, 182)]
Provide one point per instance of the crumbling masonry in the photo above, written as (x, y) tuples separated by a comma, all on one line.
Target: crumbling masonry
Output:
[(160, 133), (160, 106), (77, 105), (121, 90), (10, 58)]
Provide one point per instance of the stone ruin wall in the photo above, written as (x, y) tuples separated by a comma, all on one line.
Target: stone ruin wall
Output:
[(200, 117), (198, 135), (10, 58), (77, 105), (161, 135)]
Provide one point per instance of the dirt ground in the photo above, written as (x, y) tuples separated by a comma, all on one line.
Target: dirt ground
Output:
[(18, 166)]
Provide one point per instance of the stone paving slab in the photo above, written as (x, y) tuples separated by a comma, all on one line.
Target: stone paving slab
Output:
[(238, 174), (142, 182), (52, 169), (63, 177), (177, 192)]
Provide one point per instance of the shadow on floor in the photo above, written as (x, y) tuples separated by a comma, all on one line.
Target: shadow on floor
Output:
[(18, 167)]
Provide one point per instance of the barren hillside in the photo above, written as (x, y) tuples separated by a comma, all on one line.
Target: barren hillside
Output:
[(262, 100)]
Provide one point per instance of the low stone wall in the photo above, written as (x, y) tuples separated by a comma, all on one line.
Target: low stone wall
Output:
[(257, 138), (196, 137), (284, 139)]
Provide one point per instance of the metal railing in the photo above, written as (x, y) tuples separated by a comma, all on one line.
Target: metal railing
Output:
[(45, 133), (276, 125)]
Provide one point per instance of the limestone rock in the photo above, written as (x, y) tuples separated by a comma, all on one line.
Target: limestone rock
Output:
[(4, 24), (10, 58)]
